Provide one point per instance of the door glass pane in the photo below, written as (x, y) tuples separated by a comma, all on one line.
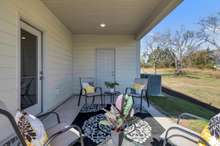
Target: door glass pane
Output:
[(28, 69)]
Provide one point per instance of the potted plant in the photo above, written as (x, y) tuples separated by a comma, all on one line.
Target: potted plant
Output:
[(117, 117), (111, 86)]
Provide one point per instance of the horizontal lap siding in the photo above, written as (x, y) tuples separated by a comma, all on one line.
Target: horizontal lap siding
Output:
[(58, 54), (8, 66), (84, 47)]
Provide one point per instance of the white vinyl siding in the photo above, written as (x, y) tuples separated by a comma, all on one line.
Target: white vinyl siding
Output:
[(58, 56), (84, 57)]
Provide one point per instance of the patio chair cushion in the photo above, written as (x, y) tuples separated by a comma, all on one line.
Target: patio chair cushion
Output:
[(180, 141), (89, 88), (64, 139), (31, 129), (138, 87)]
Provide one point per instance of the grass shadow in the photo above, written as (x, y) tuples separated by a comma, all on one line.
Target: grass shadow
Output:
[(182, 74), (192, 77)]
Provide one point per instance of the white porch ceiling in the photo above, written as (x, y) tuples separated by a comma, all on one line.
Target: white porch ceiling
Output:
[(120, 16)]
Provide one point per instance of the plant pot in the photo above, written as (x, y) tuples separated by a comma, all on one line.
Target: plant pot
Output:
[(117, 138), (112, 90)]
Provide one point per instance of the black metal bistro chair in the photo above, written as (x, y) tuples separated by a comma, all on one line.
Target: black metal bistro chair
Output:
[(59, 135), (142, 94), (97, 92)]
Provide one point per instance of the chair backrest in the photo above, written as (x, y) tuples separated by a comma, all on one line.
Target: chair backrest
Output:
[(141, 81), (89, 80), (10, 117)]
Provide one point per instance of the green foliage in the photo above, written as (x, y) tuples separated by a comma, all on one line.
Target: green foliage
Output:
[(200, 59), (162, 58), (165, 59), (173, 106), (111, 84), (105, 122), (116, 118)]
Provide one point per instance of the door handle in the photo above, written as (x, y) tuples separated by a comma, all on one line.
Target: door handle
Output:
[(41, 75)]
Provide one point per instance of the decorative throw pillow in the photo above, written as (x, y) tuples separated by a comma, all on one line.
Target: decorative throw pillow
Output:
[(211, 133), (138, 87), (89, 88), (31, 129)]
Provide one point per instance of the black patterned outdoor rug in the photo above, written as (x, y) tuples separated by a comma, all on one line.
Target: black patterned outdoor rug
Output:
[(145, 130)]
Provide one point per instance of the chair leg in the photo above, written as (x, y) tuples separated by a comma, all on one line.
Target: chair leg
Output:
[(85, 99), (79, 99), (101, 99), (93, 99), (148, 102), (141, 103), (112, 99)]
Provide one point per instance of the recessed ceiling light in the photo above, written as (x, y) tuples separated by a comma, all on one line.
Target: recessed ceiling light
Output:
[(23, 38), (102, 25)]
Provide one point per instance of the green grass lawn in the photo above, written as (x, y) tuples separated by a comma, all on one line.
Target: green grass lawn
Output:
[(203, 85), (173, 106)]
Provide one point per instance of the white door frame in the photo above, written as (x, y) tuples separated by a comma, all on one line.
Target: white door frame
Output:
[(37, 108)]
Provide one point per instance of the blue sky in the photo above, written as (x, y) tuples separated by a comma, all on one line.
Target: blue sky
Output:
[(188, 13)]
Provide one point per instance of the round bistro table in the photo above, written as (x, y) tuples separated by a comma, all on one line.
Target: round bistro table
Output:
[(111, 95)]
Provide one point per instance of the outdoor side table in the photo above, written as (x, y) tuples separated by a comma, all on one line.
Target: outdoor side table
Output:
[(111, 95)]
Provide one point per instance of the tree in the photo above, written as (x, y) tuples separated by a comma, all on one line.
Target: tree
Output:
[(155, 43), (200, 59), (183, 43), (165, 58), (210, 28), (142, 60), (154, 58)]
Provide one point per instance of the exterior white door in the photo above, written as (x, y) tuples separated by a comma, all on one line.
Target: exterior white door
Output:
[(30, 69), (105, 66)]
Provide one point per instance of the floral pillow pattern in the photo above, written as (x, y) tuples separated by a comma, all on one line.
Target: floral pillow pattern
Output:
[(31, 129)]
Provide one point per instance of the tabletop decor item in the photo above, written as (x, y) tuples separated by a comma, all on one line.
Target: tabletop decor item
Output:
[(111, 86), (118, 116)]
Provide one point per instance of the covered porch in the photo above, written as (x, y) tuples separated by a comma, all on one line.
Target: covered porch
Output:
[(99, 39)]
